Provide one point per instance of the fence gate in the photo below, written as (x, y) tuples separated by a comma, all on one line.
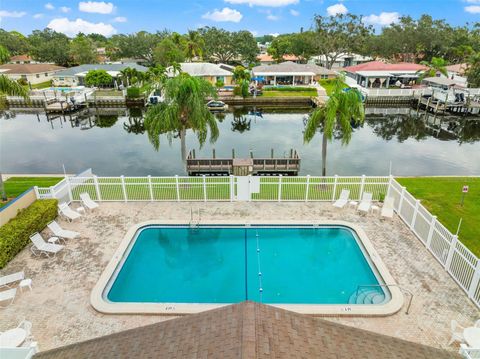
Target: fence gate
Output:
[(245, 186)]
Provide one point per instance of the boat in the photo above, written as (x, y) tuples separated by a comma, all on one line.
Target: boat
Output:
[(215, 105)]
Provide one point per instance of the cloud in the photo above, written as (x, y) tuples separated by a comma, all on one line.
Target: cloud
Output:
[(473, 1), (272, 17), (472, 9), (384, 19), (49, 6), (4, 13), (254, 33), (120, 19), (269, 3), (226, 14), (71, 28), (294, 12), (336, 9), (38, 16), (65, 9), (275, 34), (99, 7)]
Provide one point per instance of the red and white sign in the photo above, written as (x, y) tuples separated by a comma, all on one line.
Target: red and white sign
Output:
[(465, 189)]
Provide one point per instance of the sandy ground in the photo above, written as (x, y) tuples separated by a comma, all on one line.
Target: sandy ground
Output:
[(59, 304)]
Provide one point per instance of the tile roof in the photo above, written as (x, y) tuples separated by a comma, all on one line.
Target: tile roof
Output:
[(381, 66), (288, 66), (459, 68), (250, 331), (107, 67), (21, 58), (28, 68), (268, 58)]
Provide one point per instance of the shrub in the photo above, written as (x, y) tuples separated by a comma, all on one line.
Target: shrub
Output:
[(133, 92), (98, 78), (14, 235), (237, 91), (219, 84), (22, 81), (289, 88)]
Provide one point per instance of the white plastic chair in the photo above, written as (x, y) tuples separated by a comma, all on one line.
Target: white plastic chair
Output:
[(27, 326), (343, 200), (7, 280), (87, 201), (7, 295), (366, 202), (60, 232), (67, 212), (387, 209), (42, 247), (457, 332)]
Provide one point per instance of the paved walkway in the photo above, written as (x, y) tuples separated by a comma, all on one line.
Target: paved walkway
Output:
[(59, 304)]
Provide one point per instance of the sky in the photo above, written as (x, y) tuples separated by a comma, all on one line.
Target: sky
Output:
[(258, 16)]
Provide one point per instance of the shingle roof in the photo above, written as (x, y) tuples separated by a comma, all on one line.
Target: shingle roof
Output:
[(107, 67), (289, 66), (268, 58), (460, 68), (201, 69), (28, 68), (250, 331), (21, 58), (381, 66)]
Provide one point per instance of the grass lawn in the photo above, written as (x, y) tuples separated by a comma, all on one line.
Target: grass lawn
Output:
[(308, 93), (442, 196), (42, 85), (328, 85), (15, 186), (108, 93)]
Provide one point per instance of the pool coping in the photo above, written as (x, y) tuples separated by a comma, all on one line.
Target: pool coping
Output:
[(99, 303)]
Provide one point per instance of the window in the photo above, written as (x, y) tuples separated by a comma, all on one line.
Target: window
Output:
[(24, 77), (37, 76), (61, 78), (46, 74)]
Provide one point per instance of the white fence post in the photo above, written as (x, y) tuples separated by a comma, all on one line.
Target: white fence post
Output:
[(69, 189), (308, 188), (362, 186), (150, 187), (415, 212), (52, 192), (178, 188), (204, 189), (232, 188), (390, 181), (279, 188), (402, 196), (475, 281), (335, 188), (453, 243), (430, 231), (37, 195), (97, 188), (123, 188)]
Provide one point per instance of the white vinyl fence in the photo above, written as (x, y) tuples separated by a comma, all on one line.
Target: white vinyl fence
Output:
[(457, 260)]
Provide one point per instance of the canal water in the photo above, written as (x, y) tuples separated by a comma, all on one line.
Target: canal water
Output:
[(113, 142)]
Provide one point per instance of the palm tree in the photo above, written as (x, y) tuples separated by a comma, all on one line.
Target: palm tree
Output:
[(437, 65), (184, 107), (337, 114), (194, 45)]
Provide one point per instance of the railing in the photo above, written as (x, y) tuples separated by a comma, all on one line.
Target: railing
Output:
[(457, 260)]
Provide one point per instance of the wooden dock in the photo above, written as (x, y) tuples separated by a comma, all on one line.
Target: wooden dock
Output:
[(289, 166)]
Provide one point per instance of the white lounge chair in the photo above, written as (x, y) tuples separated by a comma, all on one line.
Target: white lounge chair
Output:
[(366, 202), (43, 247), (457, 332), (387, 209), (7, 280), (343, 200), (60, 232), (87, 201), (67, 212), (7, 295), (27, 326)]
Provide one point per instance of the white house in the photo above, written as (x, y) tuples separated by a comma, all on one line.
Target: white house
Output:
[(32, 73), (342, 60), (206, 70), (291, 73)]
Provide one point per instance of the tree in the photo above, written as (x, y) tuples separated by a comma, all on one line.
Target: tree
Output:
[(241, 76), (245, 46), (82, 50), (194, 45), (12, 88), (98, 78), (167, 52), (50, 46), (473, 72), (340, 34), (4, 55), (338, 113), (437, 65), (137, 45), (184, 108), (14, 42), (280, 47)]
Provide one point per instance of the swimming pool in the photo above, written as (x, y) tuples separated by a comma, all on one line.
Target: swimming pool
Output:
[(305, 267)]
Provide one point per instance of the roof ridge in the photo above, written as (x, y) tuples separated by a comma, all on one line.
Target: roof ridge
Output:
[(248, 342)]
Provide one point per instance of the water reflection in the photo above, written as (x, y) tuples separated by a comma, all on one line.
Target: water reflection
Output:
[(114, 142)]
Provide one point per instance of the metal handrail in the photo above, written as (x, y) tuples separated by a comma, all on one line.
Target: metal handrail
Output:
[(387, 286)]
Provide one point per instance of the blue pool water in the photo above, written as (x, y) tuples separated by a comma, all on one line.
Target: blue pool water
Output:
[(300, 264)]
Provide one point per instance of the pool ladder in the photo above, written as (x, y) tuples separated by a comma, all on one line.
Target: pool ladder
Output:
[(193, 224)]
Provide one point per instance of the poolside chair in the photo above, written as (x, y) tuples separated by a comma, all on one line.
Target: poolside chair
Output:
[(7, 280), (27, 326), (366, 202), (7, 295), (457, 332), (60, 232), (43, 247), (343, 200), (387, 209), (87, 201), (67, 212)]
